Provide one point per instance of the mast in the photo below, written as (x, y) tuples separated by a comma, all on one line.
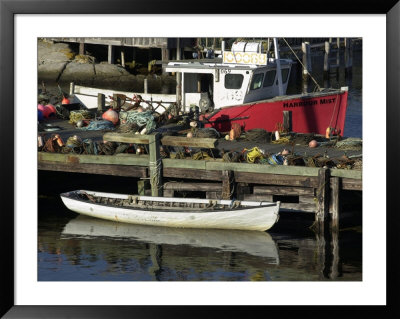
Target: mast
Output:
[(278, 66)]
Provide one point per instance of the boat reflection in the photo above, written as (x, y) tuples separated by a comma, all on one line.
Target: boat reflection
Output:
[(255, 243)]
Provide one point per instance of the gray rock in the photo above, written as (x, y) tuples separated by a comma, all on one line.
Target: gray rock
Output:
[(78, 73), (50, 71)]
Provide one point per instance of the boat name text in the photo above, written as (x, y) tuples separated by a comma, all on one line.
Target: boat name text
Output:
[(308, 103)]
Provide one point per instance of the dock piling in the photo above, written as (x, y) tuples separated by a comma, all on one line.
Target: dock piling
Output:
[(155, 165), (322, 193)]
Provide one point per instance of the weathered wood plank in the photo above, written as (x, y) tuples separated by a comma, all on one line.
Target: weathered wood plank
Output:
[(273, 179), (126, 138), (267, 198), (202, 187), (307, 208), (188, 173), (182, 163), (282, 190), (120, 159), (190, 142), (102, 169), (346, 173), (351, 184), (259, 168), (307, 199)]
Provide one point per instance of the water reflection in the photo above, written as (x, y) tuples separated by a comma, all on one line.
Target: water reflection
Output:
[(86, 248), (250, 242)]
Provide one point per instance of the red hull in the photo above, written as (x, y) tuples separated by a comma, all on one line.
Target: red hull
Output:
[(311, 114)]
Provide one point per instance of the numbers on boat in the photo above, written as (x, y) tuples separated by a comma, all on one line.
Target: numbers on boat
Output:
[(226, 71)]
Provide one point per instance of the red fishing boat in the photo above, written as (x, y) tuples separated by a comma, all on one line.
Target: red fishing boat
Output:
[(244, 86)]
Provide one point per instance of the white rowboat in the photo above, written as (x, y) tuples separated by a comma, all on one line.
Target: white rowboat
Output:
[(174, 212)]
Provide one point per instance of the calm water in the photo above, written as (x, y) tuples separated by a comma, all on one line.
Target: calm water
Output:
[(75, 248)]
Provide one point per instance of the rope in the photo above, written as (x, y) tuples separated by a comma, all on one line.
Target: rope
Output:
[(257, 135), (142, 119), (89, 147), (253, 154), (317, 85), (282, 140), (75, 116)]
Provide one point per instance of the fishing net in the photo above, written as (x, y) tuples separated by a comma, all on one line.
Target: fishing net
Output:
[(257, 135)]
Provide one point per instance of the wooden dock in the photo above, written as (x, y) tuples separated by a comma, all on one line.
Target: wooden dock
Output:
[(305, 189)]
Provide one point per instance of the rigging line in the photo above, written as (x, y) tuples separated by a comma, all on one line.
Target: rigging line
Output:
[(302, 64)]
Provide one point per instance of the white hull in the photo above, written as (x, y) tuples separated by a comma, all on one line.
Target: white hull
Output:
[(259, 216), (253, 243)]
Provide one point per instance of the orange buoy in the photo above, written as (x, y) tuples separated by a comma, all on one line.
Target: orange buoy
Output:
[(65, 101), (313, 144), (328, 132), (235, 131), (111, 116)]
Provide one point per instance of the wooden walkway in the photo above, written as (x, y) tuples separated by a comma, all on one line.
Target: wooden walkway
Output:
[(305, 189)]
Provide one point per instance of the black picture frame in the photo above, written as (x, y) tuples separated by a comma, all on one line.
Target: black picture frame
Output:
[(8, 10)]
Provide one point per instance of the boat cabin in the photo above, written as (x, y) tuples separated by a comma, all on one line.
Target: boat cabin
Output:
[(215, 83)]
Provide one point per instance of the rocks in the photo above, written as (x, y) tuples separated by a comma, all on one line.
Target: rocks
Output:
[(78, 72)]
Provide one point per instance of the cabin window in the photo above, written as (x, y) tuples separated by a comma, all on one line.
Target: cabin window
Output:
[(269, 78), (233, 81), (285, 73), (257, 81)]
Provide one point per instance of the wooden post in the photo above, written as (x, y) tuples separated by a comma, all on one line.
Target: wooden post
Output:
[(338, 53), (321, 217), (123, 58), (335, 183), (81, 48), (305, 47), (326, 57), (117, 102), (71, 88), (145, 84), (101, 103), (178, 76), (348, 61), (287, 121), (226, 184), (164, 57), (155, 165), (110, 54)]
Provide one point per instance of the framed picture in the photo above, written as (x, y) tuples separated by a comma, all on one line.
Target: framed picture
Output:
[(26, 294)]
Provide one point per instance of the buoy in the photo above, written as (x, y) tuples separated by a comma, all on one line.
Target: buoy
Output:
[(111, 116), (59, 140), (41, 107), (65, 101), (51, 109), (313, 144), (189, 135), (40, 141), (40, 115), (277, 136), (328, 132)]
